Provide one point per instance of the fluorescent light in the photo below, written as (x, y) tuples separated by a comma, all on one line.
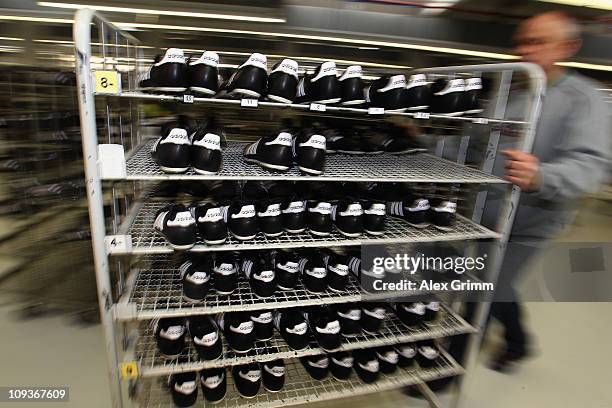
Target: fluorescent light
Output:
[(583, 65), (114, 9), (374, 43), (596, 4), (38, 19), (12, 39)]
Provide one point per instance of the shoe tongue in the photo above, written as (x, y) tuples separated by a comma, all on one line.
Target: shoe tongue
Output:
[(288, 66), (172, 55), (256, 60), (208, 58)]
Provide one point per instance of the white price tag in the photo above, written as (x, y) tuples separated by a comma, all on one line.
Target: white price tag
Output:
[(111, 161), (187, 98), (376, 111), (248, 103), (118, 244), (421, 115), (480, 121), (317, 107)]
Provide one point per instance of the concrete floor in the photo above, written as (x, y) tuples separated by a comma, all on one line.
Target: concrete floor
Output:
[(571, 368)]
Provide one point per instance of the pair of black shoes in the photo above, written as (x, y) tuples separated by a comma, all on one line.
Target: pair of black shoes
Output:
[(248, 378), (324, 87), (180, 225), (298, 326), (200, 274), (181, 147), (174, 73), (184, 387), (242, 329), (455, 97), (339, 365), (394, 94), (278, 151), (171, 334), (414, 313)]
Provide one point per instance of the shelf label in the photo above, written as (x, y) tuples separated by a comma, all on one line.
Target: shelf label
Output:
[(107, 82), (376, 111), (128, 370), (187, 98), (317, 107), (248, 103), (480, 121), (118, 244), (421, 115), (111, 162)]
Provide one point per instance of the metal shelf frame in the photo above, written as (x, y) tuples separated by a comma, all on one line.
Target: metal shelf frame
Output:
[(119, 122), (300, 388), (151, 364)]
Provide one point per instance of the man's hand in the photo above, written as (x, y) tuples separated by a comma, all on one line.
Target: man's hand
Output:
[(522, 169)]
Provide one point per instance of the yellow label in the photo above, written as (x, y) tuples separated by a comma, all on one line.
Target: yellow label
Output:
[(107, 82), (129, 370)]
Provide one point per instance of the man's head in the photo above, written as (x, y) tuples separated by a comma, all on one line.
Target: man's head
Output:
[(547, 38)]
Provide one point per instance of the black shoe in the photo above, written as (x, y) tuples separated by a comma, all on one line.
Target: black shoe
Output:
[(337, 271), (172, 151), (372, 317), (428, 354), (366, 365), (293, 214), (242, 220), (388, 92), (147, 81), (406, 353), (309, 151), (322, 86), (410, 313), (214, 384), (374, 216), (314, 272), (264, 326), (325, 326), (506, 361), (239, 330), (195, 277), (203, 74), (448, 96), (351, 85), (431, 311), (184, 388), (206, 338), (283, 80), (316, 366), (349, 316), (177, 225), (247, 379), (442, 214), (346, 140), (293, 328), (269, 217), (259, 270), (318, 217), (286, 268), (170, 336), (272, 152), (471, 97), (418, 93), (170, 73), (206, 145), (210, 219), (341, 365), (387, 359), (365, 274), (405, 204), (250, 79), (225, 273), (347, 214), (273, 375)]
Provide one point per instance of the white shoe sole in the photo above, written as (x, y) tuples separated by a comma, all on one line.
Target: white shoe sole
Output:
[(377, 233), (339, 380), (205, 172), (279, 99), (410, 151), (474, 111), (273, 391), (355, 102), (217, 242), (204, 91), (445, 229), (418, 108), (190, 300), (326, 101), (168, 89), (320, 234), (241, 238), (290, 231), (400, 110), (419, 226), (336, 290), (182, 247), (247, 92), (350, 234), (310, 171), (267, 165), (275, 235), (453, 114), (173, 169), (224, 293)]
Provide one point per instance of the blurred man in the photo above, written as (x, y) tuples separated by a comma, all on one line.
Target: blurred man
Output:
[(569, 159)]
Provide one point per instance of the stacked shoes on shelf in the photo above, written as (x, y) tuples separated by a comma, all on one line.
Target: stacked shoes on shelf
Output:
[(173, 72), (276, 208)]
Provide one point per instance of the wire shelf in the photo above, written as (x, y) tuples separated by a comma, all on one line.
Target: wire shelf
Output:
[(145, 240), (158, 292), (301, 388), (151, 364), (307, 107), (416, 168)]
